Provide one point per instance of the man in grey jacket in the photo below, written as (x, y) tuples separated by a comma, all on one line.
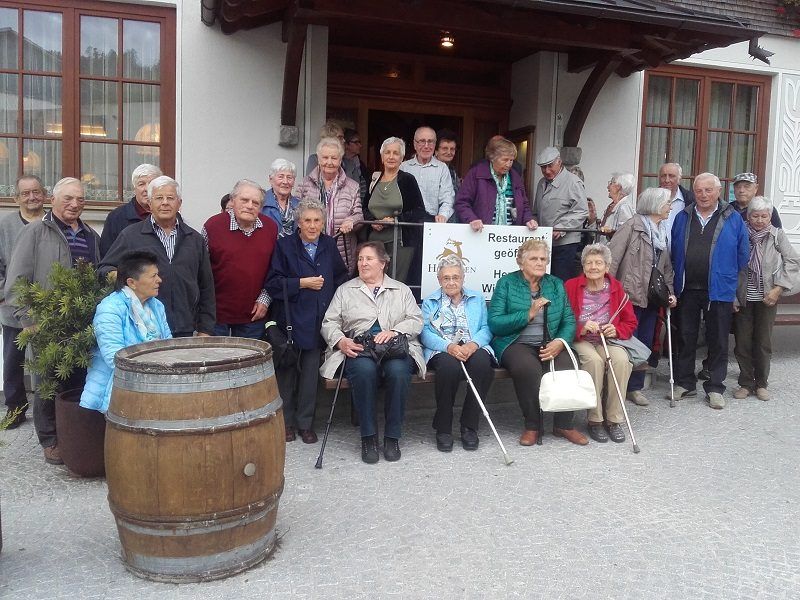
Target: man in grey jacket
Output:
[(60, 237), (560, 202), (30, 195)]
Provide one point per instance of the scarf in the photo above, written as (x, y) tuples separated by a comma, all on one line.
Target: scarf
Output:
[(757, 238), (500, 203), (327, 198), (143, 317), (658, 236)]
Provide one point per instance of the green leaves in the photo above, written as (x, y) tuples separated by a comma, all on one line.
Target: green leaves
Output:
[(63, 338)]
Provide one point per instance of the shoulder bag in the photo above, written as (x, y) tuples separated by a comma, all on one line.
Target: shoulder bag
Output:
[(638, 353), (286, 354), (561, 391), (657, 289), (397, 347)]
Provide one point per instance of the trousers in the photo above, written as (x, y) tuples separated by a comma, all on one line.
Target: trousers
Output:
[(593, 360), (298, 390), (13, 369), (752, 332), (364, 374), (448, 376)]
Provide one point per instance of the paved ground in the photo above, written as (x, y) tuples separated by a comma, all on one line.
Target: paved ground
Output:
[(708, 509)]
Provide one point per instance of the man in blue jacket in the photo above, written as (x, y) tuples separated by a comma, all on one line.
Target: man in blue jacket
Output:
[(709, 247)]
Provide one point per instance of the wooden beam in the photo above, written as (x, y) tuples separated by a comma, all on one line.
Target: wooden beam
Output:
[(583, 105), (499, 22), (295, 32)]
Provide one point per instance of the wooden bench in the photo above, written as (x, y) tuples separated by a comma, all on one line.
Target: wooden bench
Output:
[(430, 377)]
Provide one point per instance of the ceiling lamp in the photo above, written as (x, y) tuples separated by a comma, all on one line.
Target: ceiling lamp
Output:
[(447, 41)]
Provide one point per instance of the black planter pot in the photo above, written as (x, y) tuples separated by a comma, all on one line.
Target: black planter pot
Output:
[(81, 435)]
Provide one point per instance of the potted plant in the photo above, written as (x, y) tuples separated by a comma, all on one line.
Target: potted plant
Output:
[(62, 342)]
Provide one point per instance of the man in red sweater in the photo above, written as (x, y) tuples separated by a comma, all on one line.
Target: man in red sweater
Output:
[(240, 247)]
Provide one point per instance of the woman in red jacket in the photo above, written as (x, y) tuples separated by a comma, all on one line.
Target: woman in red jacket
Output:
[(600, 305)]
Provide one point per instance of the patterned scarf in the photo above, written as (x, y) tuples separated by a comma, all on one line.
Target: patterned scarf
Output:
[(143, 317), (658, 234), (328, 197), (754, 276), (500, 202)]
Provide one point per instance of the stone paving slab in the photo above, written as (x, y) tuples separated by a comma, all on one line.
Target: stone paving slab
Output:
[(708, 509)]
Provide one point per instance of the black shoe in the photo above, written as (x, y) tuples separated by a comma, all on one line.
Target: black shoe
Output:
[(469, 438), (615, 433), (704, 374), (369, 449), (444, 442), (391, 449), (598, 433), (13, 419)]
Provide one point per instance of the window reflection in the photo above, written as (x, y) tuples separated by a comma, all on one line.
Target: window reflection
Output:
[(99, 171), (99, 46), (41, 49), (141, 50), (9, 38), (41, 105)]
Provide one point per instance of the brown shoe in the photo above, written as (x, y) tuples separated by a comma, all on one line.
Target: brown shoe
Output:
[(528, 437), (308, 436), (52, 456), (573, 435), (762, 394), (290, 436)]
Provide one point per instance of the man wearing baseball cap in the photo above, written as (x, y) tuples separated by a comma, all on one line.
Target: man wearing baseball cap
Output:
[(560, 202), (745, 188)]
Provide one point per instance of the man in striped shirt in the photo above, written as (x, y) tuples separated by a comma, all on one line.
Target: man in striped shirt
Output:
[(60, 237)]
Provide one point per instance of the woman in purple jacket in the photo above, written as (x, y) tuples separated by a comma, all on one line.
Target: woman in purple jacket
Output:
[(493, 193)]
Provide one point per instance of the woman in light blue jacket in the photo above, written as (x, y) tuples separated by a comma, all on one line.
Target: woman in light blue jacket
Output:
[(456, 331), (128, 316)]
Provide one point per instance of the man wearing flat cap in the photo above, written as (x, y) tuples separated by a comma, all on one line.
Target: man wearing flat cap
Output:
[(560, 202), (745, 188)]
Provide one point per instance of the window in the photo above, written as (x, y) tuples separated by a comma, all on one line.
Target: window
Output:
[(86, 90), (705, 121)]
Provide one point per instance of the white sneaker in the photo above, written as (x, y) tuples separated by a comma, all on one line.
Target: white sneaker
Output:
[(715, 400), (638, 398)]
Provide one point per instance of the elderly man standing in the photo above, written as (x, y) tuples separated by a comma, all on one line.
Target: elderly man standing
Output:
[(240, 247), (187, 286), (131, 212), (446, 145), (709, 248), (669, 178), (560, 202), (745, 188), (30, 195), (432, 175), (59, 237)]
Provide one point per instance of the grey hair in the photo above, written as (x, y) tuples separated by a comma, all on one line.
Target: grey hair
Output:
[(332, 142), (676, 165), (163, 181), (651, 200), (281, 164), (243, 183), (626, 181), (531, 245), (378, 247), (394, 140), (599, 249), (35, 178), (62, 183), (451, 260), (759, 203), (145, 170), (311, 204), (717, 182)]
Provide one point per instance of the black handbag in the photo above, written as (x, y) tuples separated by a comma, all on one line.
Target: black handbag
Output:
[(397, 347), (285, 352), (657, 290)]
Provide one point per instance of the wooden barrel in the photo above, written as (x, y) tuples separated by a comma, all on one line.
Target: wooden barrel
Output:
[(194, 454)]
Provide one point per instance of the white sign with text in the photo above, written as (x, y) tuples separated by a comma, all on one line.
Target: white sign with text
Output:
[(487, 255)]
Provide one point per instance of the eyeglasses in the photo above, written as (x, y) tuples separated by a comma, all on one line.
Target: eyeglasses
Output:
[(354, 142), (451, 278), (425, 142)]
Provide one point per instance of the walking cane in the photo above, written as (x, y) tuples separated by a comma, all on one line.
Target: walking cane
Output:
[(669, 342), (330, 416), (486, 414), (619, 393)]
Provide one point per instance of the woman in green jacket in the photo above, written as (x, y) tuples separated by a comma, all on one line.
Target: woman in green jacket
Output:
[(526, 335)]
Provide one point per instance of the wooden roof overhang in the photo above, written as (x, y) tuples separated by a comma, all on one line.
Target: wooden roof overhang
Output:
[(608, 36)]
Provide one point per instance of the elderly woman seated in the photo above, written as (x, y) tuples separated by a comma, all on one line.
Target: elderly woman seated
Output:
[(376, 305), (456, 332), (130, 315), (773, 270), (600, 306), (528, 314)]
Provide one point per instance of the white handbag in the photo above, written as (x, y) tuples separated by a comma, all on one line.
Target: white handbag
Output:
[(562, 391)]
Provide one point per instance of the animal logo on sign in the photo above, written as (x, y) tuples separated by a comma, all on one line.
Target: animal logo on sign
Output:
[(455, 251)]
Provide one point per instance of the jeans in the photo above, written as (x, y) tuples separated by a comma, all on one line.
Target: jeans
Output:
[(298, 390), (448, 376), (13, 370), (253, 330), (364, 374), (645, 331), (522, 361), (718, 325), (562, 261), (752, 330)]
